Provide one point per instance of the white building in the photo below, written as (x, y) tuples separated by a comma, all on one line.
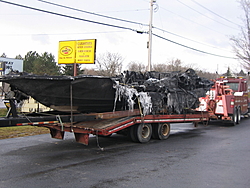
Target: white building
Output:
[(9, 64)]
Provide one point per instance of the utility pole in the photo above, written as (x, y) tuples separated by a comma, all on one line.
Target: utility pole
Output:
[(150, 35)]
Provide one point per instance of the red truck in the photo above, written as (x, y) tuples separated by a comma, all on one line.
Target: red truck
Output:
[(227, 100)]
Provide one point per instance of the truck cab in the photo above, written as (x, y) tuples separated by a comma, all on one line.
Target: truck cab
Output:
[(240, 92)]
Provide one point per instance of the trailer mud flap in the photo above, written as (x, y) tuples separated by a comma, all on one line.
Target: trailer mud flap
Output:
[(82, 138)]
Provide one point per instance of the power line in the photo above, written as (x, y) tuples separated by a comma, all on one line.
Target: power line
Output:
[(63, 15), (192, 21), (208, 53), (215, 13), (67, 7), (135, 10), (206, 15), (188, 38), (105, 24), (101, 15), (92, 32)]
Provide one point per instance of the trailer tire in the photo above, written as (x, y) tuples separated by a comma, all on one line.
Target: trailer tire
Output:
[(143, 132), (161, 131), (132, 133), (238, 115)]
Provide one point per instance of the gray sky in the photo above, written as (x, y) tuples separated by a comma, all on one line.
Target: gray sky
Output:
[(205, 25)]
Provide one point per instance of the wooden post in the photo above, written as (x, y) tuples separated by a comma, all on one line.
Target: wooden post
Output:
[(75, 69)]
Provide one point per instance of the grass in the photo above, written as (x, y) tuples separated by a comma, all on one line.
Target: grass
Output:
[(19, 131), (3, 112)]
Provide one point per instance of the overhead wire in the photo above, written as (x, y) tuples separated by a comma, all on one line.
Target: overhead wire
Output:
[(205, 15), (201, 51), (192, 21), (93, 32), (110, 25), (72, 17), (67, 7), (164, 31), (215, 13), (135, 10), (101, 15)]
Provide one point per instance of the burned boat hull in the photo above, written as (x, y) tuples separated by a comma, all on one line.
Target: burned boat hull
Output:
[(85, 93), (152, 92)]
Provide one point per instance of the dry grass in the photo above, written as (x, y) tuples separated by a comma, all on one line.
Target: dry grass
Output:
[(20, 131)]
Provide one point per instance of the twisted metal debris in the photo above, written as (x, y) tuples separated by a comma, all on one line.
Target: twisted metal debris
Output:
[(154, 92)]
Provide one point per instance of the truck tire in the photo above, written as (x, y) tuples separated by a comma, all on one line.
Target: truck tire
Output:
[(234, 117), (141, 133), (238, 115), (161, 131)]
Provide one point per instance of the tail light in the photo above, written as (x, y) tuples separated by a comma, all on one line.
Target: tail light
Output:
[(232, 103)]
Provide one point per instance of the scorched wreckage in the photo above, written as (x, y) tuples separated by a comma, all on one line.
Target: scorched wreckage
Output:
[(140, 105), (152, 92)]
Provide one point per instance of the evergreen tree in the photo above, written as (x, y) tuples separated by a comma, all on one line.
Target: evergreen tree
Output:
[(40, 64), (18, 57), (69, 70), (29, 59), (3, 55)]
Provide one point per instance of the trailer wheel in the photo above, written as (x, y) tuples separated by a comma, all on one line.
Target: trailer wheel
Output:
[(238, 115), (161, 131), (140, 133), (133, 133), (144, 132)]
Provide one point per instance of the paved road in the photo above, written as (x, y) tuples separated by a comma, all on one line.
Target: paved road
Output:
[(213, 156)]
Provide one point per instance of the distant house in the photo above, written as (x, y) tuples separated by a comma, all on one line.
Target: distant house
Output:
[(9, 64), (241, 73), (32, 105), (229, 73)]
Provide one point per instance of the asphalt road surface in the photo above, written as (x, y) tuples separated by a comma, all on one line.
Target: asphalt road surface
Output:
[(214, 156)]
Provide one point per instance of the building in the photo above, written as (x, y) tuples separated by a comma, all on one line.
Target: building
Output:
[(10, 64)]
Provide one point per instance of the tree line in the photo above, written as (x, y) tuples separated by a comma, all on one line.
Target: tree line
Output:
[(107, 64)]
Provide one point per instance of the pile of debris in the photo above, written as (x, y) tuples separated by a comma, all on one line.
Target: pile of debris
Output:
[(155, 92)]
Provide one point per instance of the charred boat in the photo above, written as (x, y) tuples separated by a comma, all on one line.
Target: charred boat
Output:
[(152, 92), (65, 93)]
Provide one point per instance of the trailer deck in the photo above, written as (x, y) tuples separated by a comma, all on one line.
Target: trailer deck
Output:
[(106, 127), (107, 123)]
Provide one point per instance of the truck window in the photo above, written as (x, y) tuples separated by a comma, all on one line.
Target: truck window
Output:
[(233, 86)]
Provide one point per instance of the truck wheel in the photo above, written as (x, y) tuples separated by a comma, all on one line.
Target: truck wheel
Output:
[(161, 131), (143, 132), (234, 117), (238, 115)]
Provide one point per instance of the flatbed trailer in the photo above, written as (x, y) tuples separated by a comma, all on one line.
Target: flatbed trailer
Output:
[(138, 127)]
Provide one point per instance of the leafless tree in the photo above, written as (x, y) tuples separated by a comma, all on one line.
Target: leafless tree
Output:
[(136, 66), (161, 67), (172, 65), (109, 64), (241, 43)]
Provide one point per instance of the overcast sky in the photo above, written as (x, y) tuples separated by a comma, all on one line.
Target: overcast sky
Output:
[(204, 25)]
